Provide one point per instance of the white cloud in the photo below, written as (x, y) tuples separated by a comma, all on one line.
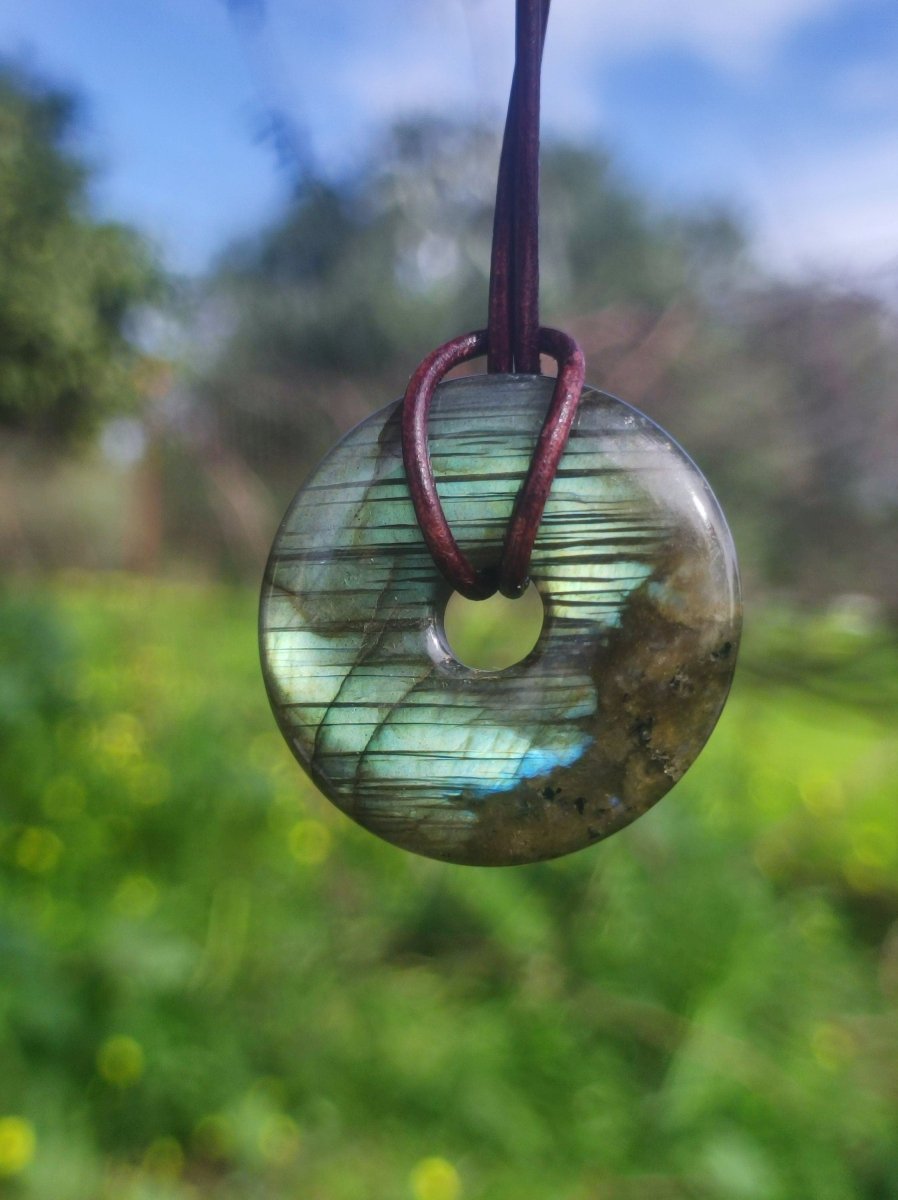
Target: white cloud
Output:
[(735, 34), (403, 55), (813, 207), (832, 210)]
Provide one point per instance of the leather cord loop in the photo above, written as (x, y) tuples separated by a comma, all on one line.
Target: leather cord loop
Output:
[(511, 576)]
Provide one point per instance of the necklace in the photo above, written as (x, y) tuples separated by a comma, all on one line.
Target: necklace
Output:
[(546, 481)]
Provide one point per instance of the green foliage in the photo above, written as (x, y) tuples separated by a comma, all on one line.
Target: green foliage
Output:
[(214, 985), (67, 282)]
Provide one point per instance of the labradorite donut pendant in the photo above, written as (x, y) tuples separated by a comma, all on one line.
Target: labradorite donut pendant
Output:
[(637, 573)]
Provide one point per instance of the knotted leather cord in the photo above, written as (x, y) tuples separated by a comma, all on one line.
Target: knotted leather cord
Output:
[(512, 342)]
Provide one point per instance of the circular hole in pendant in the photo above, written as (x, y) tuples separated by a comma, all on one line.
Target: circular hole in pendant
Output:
[(490, 635)]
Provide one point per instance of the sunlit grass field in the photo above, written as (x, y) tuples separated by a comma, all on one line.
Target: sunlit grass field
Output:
[(213, 985)]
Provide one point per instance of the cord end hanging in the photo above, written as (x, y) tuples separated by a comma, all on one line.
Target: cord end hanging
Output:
[(514, 270)]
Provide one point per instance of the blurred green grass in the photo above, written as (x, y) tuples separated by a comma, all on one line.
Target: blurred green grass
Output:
[(214, 985)]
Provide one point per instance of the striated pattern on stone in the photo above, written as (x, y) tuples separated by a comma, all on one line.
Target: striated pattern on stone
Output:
[(637, 573)]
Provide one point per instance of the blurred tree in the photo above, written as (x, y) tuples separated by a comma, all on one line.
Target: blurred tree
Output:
[(327, 311), (782, 392), (68, 283), (787, 398)]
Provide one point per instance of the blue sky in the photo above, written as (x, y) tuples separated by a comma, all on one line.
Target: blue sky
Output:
[(786, 109)]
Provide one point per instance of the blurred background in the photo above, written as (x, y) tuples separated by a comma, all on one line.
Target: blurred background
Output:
[(228, 231)]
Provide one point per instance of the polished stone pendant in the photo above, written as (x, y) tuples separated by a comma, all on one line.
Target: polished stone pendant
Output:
[(637, 574)]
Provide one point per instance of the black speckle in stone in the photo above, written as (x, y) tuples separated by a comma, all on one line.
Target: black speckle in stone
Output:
[(723, 651), (641, 730), (550, 793), (580, 804)]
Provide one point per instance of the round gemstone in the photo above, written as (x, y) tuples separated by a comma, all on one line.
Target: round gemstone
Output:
[(637, 574)]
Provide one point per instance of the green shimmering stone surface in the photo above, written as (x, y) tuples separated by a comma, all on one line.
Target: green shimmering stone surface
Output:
[(637, 573)]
